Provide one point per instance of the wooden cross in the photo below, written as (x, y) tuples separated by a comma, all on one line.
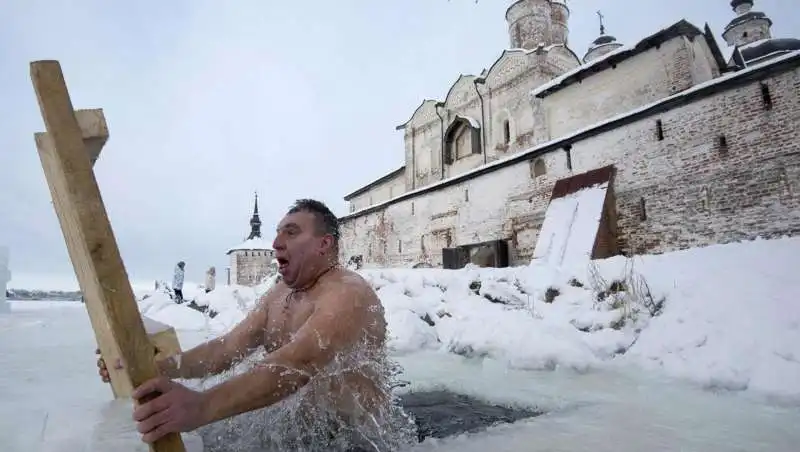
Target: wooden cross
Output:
[(68, 150)]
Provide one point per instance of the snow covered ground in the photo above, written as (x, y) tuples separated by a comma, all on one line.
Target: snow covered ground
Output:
[(693, 350)]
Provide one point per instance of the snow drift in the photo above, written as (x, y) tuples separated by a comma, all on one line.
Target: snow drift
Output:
[(725, 316)]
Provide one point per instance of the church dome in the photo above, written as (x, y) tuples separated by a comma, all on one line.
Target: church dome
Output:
[(602, 45), (603, 39)]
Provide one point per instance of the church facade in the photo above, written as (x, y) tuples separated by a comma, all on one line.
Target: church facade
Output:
[(699, 144), (252, 260)]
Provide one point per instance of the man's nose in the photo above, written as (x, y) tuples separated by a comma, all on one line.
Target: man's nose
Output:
[(277, 244)]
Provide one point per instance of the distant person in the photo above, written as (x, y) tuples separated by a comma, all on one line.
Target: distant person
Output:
[(177, 281), (211, 279), (321, 316)]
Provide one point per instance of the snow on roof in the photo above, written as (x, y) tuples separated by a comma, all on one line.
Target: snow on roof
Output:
[(523, 154), (556, 81), (755, 43), (252, 244), (679, 27)]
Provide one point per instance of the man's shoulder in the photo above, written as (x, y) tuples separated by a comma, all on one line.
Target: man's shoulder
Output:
[(349, 280)]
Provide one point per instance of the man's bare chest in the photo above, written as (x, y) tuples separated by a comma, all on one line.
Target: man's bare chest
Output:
[(284, 317)]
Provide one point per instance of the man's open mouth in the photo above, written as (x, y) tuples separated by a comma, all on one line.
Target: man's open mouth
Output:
[(282, 262)]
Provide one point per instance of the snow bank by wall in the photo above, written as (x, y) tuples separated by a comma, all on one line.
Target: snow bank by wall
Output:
[(730, 316)]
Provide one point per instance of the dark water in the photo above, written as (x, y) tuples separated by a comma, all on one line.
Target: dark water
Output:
[(437, 414), (440, 414)]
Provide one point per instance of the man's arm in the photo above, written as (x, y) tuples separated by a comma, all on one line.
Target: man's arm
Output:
[(218, 355), (335, 324)]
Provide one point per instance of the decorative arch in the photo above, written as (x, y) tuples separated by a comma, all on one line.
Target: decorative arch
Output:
[(462, 138), (564, 50), (463, 86), (425, 111)]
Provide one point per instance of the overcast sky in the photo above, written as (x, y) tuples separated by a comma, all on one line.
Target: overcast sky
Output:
[(210, 101)]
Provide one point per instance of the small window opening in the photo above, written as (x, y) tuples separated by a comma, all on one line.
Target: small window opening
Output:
[(766, 97), (568, 150), (506, 132), (722, 144), (642, 210), (659, 130)]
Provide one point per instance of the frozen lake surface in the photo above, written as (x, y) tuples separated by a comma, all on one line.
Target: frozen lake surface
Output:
[(53, 400)]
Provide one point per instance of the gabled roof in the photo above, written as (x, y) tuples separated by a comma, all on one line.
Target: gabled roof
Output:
[(456, 83), (420, 107), (376, 182)]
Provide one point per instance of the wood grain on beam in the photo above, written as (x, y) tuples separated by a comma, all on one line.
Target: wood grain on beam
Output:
[(90, 240)]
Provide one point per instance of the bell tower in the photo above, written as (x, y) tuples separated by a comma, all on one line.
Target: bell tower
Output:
[(748, 25), (535, 22)]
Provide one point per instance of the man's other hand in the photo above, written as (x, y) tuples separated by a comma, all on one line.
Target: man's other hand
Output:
[(103, 370), (174, 408)]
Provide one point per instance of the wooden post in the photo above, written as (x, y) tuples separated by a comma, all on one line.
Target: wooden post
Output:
[(67, 163)]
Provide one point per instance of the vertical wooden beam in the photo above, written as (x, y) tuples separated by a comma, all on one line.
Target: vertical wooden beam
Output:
[(94, 133), (90, 240)]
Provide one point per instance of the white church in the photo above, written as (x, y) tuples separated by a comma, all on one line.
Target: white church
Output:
[(676, 124)]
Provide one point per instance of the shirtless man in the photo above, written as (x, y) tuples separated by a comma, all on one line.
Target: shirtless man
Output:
[(318, 312)]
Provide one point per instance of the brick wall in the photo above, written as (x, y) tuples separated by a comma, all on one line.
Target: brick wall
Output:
[(695, 191), (250, 267)]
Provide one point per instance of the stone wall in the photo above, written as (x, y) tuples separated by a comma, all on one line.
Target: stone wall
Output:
[(249, 267), (686, 186)]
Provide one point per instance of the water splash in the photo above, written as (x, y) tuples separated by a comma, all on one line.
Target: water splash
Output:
[(327, 414)]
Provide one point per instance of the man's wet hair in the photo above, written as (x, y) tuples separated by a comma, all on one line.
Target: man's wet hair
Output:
[(327, 223)]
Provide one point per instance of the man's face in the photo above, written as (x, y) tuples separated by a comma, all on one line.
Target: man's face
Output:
[(299, 248)]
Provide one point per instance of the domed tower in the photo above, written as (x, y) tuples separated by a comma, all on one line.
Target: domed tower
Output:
[(535, 22), (602, 45), (749, 32), (559, 19), (748, 25)]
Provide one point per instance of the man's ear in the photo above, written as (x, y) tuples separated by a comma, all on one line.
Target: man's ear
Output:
[(327, 242)]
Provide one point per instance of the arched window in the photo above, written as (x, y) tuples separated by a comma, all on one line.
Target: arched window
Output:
[(462, 139)]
